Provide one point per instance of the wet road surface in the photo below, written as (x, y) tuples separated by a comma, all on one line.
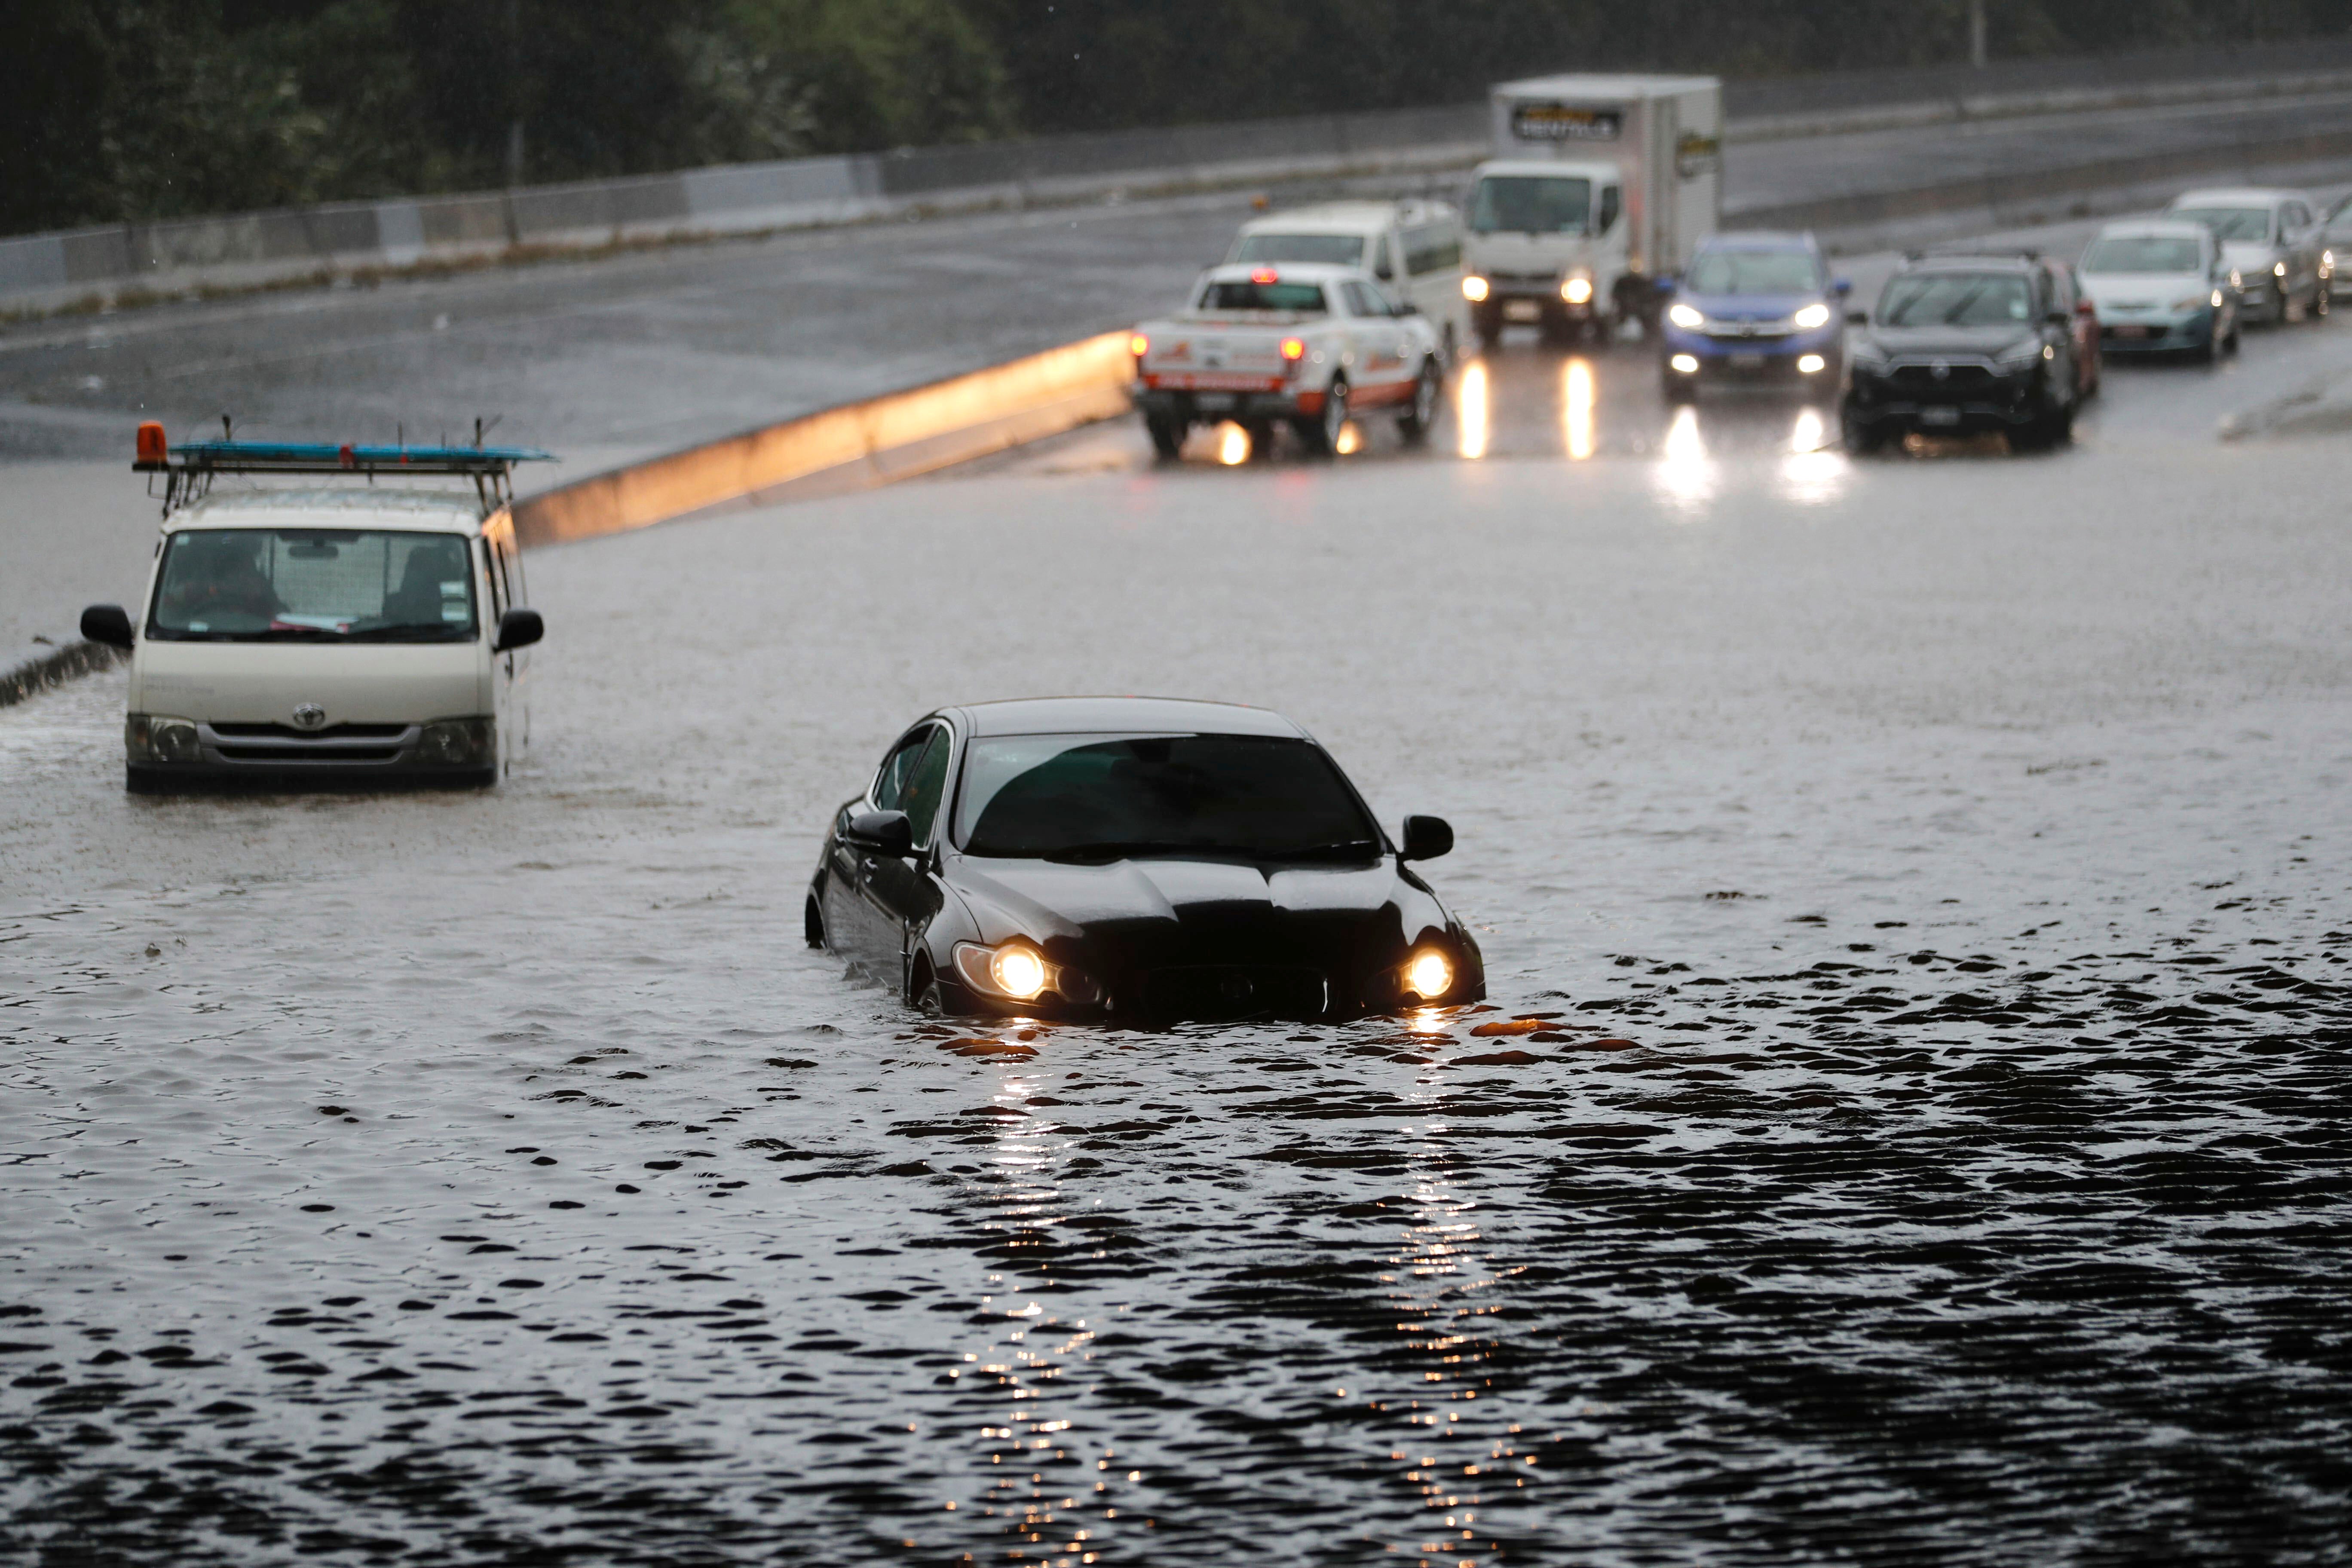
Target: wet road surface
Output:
[(1908, 1125)]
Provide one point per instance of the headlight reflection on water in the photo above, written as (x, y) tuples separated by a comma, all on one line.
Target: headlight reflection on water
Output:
[(1576, 402), (1471, 410), (1232, 444), (1686, 473)]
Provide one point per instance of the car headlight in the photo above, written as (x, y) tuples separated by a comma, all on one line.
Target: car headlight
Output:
[(1812, 316), (2217, 298), (1687, 317), (1577, 290), (457, 742), (2278, 268), (1428, 974), (1473, 288), (1019, 972), (2022, 356), (155, 738)]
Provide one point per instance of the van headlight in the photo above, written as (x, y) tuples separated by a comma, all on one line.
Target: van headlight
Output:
[(1018, 972), (1577, 290), (155, 738), (457, 742), (1473, 288)]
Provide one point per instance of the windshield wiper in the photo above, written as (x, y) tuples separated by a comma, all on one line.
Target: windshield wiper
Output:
[(414, 634)]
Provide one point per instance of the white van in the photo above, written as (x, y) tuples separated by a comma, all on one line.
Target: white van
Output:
[(369, 630), (1412, 248)]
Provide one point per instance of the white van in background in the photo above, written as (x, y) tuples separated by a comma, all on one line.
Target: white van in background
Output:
[(329, 632), (1412, 248)]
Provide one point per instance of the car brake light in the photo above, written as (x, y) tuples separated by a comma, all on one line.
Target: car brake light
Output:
[(1294, 350), (1266, 275)]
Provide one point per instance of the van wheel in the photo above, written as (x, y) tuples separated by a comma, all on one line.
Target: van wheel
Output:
[(1167, 434), (813, 922), (1414, 424)]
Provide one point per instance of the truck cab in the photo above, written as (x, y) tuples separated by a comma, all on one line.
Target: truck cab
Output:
[(1547, 242), (328, 631)]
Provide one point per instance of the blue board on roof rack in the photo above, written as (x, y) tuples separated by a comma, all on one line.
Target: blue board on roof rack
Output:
[(216, 454)]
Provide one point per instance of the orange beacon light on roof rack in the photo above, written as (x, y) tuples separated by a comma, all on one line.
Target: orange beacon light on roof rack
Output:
[(152, 446)]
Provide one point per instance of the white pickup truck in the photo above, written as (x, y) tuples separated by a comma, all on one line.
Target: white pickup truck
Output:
[(1309, 343)]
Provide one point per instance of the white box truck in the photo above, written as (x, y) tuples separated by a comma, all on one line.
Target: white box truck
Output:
[(1601, 185)]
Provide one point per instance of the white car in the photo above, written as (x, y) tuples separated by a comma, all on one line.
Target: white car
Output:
[(1412, 249), (1308, 342), (2159, 286), (2273, 241), (343, 632)]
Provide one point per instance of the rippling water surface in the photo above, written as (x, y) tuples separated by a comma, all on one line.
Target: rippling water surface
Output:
[(1909, 1125)]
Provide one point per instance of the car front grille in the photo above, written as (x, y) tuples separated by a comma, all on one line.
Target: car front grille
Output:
[(1236, 991), (1958, 378)]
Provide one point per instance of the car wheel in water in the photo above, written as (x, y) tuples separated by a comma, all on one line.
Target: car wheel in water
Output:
[(1320, 432), (813, 923), (1167, 434), (1862, 437), (1414, 424)]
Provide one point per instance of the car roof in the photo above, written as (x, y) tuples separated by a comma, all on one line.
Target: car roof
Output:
[(424, 511), (1287, 271), (1122, 715), (2248, 195), (1347, 217), (2166, 227), (1966, 261), (1760, 239)]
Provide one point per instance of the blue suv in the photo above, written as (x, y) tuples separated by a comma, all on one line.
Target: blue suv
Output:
[(1757, 309)]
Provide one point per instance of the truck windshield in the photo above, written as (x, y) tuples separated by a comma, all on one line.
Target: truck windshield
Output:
[(2229, 222), (2143, 253), (1298, 299), (1104, 797), (1339, 250), (267, 585), (1532, 204), (1755, 272), (1956, 299)]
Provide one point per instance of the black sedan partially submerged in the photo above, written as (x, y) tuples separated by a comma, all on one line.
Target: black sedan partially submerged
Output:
[(1134, 858)]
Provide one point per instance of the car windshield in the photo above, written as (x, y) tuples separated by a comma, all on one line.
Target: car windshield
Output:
[(2143, 253), (1339, 250), (254, 585), (1532, 204), (1956, 299), (1100, 798), (1754, 272), (2231, 223), (1297, 299)]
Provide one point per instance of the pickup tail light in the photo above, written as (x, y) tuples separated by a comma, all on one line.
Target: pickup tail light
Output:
[(1139, 345), (1293, 350)]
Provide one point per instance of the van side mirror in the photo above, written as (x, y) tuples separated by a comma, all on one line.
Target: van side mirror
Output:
[(1425, 839), (519, 628), (882, 833), (107, 623)]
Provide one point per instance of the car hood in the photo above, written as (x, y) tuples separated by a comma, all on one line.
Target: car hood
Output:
[(1746, 307), (2249, 256), (1152, 912), (1988, 341), (2141, 291)]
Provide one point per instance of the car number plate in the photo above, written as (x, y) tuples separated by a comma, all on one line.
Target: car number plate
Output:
[(1212, 401), (2129, 331), (1522, 311), (1747, 362), (1939, 416)]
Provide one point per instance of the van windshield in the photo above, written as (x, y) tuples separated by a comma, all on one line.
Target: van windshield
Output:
[(1339, 250), (1532, 204), (266, 585)]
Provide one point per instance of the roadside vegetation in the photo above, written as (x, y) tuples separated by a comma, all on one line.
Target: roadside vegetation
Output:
[(123, 111)]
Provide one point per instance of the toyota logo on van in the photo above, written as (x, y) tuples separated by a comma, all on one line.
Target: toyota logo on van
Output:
[(309, 715)]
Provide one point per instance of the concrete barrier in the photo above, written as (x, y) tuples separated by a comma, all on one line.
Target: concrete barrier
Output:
[(870, 442)]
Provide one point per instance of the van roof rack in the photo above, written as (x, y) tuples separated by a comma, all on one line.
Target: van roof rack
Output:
[(189, 467)]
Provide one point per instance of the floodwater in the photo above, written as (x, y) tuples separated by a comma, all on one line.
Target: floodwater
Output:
[(1914, 897)]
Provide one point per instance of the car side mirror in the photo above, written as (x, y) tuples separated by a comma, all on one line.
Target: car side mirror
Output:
[(1857, 318), (107, 623), (519, 628), (883, 833), (1425, 839), (1841, 287)]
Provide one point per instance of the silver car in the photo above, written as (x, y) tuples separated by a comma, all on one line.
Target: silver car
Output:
[(2273, 241), (2162, 286), (2336, 236)]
